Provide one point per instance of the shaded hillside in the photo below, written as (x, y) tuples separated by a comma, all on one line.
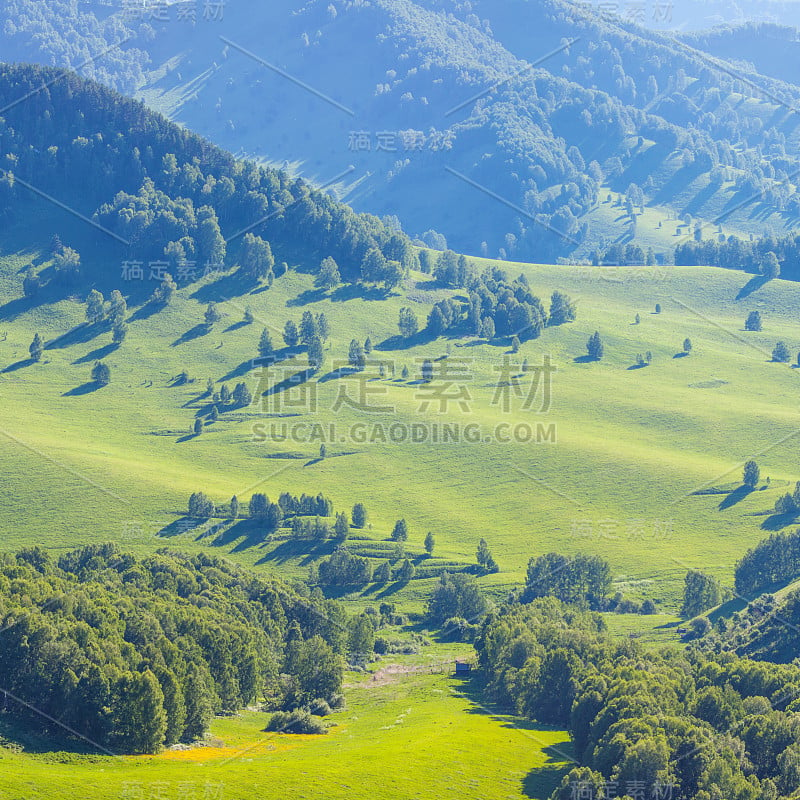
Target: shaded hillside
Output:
[(480, 121)]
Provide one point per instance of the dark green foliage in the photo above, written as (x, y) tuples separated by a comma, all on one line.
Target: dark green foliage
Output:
[(328, 276), (636, 714), (241, 396), (198, 426), (405, 572), (687, 346), (753, 321), (265, 348), (751, 474), (408, 323), (773, 560), (316, 354), (359, 515), (456, 595), (400, 531), (344, 569), (211, 316), (119, 332), (135, 654), (297, 721), (308, 328), (95, 307), (427, 370), (101, 373), (562, 309), (290, 334), (781, 353), (355, 355), (256, 258), (700, 592), (580, 579), (430, 543), (484, 558), (200, 505), (594, 346), (341, 528), (36, 348)]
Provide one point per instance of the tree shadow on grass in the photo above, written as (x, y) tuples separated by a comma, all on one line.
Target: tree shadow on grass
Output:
[(756, 282), (80, 334), (307, 297), (680, 355), (193, 333), (180, 526), (777, 522), (84, 388), (587, 359), (98, 354), (241, 369), (146, 311), (352, 291), (26, 362), (307, 550), (734, 497), (236, 326)]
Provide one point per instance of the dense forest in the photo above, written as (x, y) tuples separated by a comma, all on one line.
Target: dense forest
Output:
[(132, 654), (694, 724)]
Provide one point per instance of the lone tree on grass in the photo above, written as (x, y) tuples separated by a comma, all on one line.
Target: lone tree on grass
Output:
[(265, 348), (687, 346), (753, 321), (359, 515), (400, 531), (595, 346), (315, 354), (101, 373), (119, 332), (198, 426), (430, 543), (427, 370), (37, 347), (212, 315), (781, 353), (356, 356), (751, 474)]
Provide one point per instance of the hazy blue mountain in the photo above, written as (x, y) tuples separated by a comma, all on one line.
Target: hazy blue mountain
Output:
[(500, 125)]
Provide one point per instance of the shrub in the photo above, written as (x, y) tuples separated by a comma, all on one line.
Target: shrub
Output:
[(297, 721), (320, 707)]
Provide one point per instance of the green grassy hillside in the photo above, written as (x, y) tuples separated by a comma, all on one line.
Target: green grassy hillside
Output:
[(639, 470)]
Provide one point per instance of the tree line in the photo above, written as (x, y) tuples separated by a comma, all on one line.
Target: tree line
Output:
[(135, 654), (702, 725)]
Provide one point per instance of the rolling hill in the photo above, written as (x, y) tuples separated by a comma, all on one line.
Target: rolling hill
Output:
[(519, 141)]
